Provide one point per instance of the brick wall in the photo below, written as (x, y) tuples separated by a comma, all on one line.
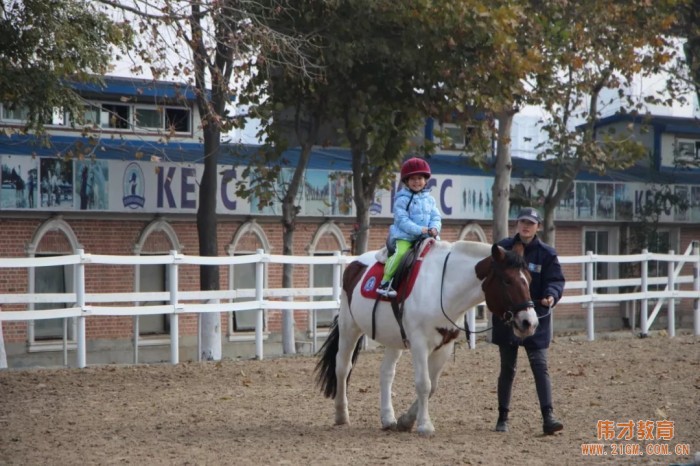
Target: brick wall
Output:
[(119, 236)]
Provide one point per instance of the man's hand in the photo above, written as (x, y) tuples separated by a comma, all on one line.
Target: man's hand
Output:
[(548, 301)]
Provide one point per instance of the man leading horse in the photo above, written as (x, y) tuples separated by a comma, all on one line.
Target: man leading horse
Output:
[(546, 289)]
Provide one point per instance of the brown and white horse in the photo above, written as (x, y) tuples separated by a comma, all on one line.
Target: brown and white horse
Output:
[(453, 278)]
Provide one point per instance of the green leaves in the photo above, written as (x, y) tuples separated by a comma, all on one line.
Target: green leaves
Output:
[(44, 43)]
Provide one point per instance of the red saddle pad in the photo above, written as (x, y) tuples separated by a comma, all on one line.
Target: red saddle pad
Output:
[(373, 277)]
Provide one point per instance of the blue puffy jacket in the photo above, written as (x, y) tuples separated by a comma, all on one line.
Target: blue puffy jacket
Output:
[(412, 212), (547, 280)]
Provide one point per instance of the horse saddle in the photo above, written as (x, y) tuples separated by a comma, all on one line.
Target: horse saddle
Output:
[(405, 276)]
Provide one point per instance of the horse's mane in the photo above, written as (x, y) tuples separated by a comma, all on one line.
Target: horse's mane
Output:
[(479, 249), (515, 260)]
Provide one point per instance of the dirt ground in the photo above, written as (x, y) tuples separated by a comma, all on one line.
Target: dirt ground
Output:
[(270, 412)]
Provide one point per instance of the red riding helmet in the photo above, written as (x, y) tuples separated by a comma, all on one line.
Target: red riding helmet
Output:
[(415, 166)]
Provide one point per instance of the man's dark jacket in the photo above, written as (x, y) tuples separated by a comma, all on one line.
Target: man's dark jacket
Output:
[(547, 280)]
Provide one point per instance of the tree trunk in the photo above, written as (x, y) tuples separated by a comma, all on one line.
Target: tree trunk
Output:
[(501, 183), (210, 330), (289, 217), (363, 224), (3, 353), (288, 227), (556, 192), (363, 194)]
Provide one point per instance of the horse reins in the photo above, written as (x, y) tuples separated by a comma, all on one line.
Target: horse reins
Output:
[(464, 329), (512, 309)]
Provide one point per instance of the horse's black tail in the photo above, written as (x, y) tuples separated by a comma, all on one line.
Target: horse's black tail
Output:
[(325, 368)]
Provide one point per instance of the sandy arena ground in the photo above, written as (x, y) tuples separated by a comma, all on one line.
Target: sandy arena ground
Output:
[(270, 412)]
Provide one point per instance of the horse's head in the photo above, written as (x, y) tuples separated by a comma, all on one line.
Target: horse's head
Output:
[(506, 285)]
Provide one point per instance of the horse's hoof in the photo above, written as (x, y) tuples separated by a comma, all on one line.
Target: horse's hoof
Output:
[(426, 432), (342, 419), (390, 426), (404, 425)]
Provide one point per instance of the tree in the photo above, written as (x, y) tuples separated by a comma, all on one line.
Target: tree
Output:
[(408, 60), (588, 53), (215, 47), (46, 44), (688, 27), (292, 108), (375, 97)]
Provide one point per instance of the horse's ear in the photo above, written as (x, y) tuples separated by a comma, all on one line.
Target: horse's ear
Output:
[(482, 268), (498, 253)]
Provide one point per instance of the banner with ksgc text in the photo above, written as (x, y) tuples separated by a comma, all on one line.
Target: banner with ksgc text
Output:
[(52, 184)]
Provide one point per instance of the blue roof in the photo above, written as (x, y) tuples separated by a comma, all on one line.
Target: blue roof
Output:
[(667, 124), (138, 89), (105, 148)]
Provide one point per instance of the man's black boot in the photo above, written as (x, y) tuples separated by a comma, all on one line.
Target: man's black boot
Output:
[(502, 423), (549, 424)]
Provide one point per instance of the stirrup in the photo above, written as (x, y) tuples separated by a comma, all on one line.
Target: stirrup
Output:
[(386, 290)]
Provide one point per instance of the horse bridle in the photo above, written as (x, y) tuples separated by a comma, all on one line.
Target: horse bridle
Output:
[(512, 309)]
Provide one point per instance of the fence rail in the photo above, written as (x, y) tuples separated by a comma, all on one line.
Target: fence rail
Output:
[(83, 305)]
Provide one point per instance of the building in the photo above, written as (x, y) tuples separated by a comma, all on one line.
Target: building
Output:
[(127, 185)]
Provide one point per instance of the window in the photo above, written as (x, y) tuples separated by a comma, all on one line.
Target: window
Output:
[(455, 137), (90, 116), (116, 116), (177, 119), (687, 150), (249, 238), (604, 242), (58, 117), (243, 278), (154, 277), (148, 118), (323, 278), (168, 119), (15, 113), (51, 279)]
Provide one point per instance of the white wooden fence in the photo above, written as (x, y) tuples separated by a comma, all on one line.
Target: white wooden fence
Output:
[(83, 305)]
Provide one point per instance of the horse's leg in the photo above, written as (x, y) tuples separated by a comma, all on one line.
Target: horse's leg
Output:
[(436, 362), (419, 410), (386, 379), (350, 333)]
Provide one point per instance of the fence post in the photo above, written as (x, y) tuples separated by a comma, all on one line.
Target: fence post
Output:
[(174, 319), (81, 355), (671, 299), (696, 286), (259, 279), (643, 325), (590, 317)]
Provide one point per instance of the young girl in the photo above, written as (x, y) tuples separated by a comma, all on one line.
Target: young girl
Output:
[(415, 214)]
